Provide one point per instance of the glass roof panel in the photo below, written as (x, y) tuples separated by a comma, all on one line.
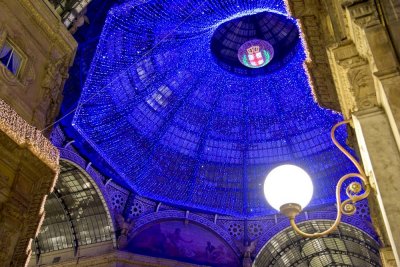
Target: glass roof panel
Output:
[(347, 246), (74, 211)]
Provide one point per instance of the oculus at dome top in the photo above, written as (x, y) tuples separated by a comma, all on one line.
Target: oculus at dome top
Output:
[(276, 36)]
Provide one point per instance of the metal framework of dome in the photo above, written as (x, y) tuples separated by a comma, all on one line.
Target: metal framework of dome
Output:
[(347, 246), (75, 214), (180, 129)]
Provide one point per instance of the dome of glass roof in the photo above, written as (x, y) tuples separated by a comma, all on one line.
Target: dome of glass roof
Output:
[(181, 129)]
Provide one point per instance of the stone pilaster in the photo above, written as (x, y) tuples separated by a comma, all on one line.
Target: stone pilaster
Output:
[(381, 160)]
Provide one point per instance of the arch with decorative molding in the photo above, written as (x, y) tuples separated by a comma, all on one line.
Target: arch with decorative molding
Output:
[(97, 181), (180, 215), (329, 215)]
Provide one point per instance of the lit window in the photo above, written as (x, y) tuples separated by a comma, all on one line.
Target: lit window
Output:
[(10, 58)]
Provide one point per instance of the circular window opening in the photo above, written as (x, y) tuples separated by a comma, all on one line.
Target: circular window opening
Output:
[(255, 53), (268, 31)]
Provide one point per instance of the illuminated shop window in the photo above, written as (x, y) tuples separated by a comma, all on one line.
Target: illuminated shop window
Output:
[(10, 58)]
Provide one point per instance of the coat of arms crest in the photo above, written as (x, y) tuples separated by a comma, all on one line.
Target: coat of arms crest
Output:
[(255, 53)]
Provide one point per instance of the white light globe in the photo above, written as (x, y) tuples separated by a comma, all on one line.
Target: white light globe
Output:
[(288, 184)]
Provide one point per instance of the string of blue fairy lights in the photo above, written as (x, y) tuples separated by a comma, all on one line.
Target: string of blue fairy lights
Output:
[(142, 56), (181, 129)]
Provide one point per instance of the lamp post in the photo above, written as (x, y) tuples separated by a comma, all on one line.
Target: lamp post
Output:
[(289, 189)]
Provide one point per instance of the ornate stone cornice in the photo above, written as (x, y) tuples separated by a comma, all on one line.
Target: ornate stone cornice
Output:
[(27, 136), (308, 13), (51, 26), (347, 3), (364, 14)]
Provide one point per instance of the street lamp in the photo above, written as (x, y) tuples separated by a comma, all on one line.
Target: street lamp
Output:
[(289, 189)]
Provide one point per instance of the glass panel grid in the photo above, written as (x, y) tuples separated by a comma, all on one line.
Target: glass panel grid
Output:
[(347, 246), (187, 101), (74, 207)]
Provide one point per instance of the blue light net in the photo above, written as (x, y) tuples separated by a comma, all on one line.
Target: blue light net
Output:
[(181, 129)]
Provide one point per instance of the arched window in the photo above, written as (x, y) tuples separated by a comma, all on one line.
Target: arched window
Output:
[(348, 246), (75, 214)]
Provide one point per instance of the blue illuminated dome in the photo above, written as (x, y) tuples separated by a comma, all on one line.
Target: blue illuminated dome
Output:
[(160, 107)]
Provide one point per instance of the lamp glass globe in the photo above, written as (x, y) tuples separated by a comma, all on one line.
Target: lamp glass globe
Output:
[(288, 184)]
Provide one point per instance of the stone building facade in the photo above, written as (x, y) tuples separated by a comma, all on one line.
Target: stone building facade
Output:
[(353, 54), (40, 50)]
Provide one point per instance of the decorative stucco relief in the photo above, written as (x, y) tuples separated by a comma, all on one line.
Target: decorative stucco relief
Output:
[(356, 90), (56, 74)]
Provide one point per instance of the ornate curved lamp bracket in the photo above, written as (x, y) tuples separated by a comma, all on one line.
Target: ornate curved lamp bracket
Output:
[(353, 192)]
